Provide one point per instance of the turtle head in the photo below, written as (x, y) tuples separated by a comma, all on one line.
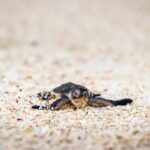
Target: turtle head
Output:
[(79, 97), (78, 93)]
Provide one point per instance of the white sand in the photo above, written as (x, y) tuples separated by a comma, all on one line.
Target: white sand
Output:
[(104, 45)]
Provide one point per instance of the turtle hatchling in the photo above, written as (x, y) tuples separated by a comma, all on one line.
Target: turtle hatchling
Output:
[(76, 95)]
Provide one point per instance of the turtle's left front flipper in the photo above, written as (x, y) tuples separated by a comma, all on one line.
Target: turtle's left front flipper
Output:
[(106, 102)]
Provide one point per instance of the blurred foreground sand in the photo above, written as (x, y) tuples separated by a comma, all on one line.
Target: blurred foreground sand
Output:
[(104, 45)]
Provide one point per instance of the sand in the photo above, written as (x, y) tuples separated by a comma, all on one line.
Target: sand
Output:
[(103, 45)]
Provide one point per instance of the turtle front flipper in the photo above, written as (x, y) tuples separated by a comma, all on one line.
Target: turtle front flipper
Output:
[(99, 101), (59, 103), (96, 95)]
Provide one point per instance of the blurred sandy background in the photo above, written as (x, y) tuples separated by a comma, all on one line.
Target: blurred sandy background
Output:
[(104, 45)]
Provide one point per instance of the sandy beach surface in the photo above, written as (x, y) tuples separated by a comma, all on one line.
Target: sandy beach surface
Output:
[(103, 45)]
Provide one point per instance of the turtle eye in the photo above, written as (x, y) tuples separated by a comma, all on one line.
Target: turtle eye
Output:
[(76, 93), (85, 93)]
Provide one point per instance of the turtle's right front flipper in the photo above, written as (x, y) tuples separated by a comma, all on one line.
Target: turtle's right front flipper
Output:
[(54, 106), (39, 107), (59, 103)]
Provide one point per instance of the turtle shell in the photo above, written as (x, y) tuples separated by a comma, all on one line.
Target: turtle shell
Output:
[(67, 87)]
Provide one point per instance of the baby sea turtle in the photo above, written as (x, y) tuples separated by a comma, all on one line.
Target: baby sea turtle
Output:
[(76, 95)]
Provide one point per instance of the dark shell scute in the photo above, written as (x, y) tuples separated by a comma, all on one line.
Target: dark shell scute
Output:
[(67, 87)]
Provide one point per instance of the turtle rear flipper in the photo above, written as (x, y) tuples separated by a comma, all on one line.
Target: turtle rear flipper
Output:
[(44, 95), (48, 95)]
